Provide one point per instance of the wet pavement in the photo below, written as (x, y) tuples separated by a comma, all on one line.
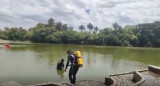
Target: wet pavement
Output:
[(151, 79), (123, 80)]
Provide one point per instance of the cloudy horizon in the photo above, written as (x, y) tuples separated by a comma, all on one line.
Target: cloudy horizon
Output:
[(101, 13)]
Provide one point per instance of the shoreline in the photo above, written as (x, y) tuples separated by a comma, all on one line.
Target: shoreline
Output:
[(150, 76), (32, 43)]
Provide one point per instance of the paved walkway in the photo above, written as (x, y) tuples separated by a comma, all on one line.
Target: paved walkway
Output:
[(151, 79), (123, 80)]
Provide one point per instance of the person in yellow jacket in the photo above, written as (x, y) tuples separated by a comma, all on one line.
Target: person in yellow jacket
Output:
[(74, 66)]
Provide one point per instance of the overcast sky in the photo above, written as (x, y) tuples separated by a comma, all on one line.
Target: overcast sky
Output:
[(102, 13)]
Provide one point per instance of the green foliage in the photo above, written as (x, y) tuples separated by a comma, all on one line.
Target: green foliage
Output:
[(113, 40), (1, 34), (82, 28), (143, 35), (90, 27), (14, 34), (41, 33), (51, 22), (59, 26), (96, 29)]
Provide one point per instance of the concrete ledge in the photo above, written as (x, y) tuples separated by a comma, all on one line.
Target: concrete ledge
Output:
[(128, 72), (138, 79), (154, 69)]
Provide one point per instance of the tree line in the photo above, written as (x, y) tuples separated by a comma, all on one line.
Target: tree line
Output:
[(142, 35)]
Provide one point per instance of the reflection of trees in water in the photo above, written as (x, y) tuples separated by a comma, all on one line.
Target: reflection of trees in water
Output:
[(43, 52), (60, 73), (46, 52), (53, 53), (144, 55)]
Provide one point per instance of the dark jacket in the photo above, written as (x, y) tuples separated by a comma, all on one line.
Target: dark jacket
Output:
[(71, 58), (60, 65)]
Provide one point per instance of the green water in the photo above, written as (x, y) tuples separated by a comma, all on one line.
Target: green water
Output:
[(32, 64)]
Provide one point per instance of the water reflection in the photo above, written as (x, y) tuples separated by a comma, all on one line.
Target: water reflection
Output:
[(60, 73), (54, 52), (6, 47), (38, 62)]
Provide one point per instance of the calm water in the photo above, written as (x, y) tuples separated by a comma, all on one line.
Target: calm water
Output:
[(32, 64)]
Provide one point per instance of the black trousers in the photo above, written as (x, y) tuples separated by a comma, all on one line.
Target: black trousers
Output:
[(72, 73)]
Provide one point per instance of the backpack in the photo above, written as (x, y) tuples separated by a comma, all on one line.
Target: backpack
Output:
[(79, 58)]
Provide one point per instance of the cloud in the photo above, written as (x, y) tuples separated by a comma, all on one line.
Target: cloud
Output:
[(87, 11), (101, 13)]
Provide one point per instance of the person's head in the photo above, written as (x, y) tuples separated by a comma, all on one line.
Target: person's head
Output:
[(62, 60), (69, 51)]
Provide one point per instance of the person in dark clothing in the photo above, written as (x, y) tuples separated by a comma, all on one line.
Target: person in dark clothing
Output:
[(74, 66), (60, 65)]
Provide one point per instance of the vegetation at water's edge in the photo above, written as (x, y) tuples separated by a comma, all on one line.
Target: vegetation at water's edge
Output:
[(143, 35)]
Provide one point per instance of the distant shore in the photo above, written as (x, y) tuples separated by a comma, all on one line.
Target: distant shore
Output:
[(15, 42), (4, 41)]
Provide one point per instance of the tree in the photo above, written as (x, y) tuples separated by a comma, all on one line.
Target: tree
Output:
[(69, 37), (146, 34), (82, 28), (22, 34), (96, 29), (90, 27), (1, 34), (51, 22), (117, 27), (17, 34), (64, 27), (113, 40), (59, 26), (5, 33), (106, 31)]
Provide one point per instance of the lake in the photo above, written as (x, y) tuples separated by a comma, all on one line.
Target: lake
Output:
[(34, 64)]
